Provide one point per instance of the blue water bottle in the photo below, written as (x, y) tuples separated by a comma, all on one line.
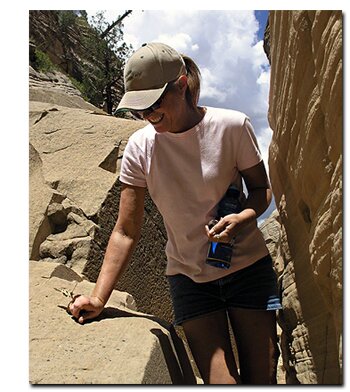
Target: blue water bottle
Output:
[(220, 253)]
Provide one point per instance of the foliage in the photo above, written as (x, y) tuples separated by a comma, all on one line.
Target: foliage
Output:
[(66, 19), (42, 62), (80, 86), (92, 53), (103, 70)]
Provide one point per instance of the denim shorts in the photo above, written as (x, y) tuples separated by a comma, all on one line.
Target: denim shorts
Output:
[(253, 287)]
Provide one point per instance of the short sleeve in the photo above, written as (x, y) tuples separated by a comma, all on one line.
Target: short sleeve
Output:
[(132, 171), (248, 151)]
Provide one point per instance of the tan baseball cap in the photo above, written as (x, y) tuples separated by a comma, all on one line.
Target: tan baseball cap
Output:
[(147, 73)]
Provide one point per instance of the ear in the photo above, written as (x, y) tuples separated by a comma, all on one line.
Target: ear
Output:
[(182, 82)]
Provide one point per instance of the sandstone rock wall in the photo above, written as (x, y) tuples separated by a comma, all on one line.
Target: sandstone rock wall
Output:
[(75, 156), (64, 45), (305, 161), (56, 88)]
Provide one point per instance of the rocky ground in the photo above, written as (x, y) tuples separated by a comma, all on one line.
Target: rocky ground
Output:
[(122, 346)]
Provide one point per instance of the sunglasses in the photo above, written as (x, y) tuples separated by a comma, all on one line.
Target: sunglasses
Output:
[(141, 114)]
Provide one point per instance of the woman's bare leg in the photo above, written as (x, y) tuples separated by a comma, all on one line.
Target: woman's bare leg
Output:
[(256, 338), (209, 341)]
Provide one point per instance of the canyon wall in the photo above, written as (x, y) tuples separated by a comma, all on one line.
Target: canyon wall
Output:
[(305, 160)]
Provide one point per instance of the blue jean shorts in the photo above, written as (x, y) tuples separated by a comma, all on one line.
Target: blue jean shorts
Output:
[(253, 287)]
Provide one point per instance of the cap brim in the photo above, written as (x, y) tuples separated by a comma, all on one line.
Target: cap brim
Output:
[(140, 100)]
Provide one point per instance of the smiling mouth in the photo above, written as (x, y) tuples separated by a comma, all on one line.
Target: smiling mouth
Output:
[(155, 119)]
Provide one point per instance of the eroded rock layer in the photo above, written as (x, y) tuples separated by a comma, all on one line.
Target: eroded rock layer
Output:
[(305, 160)]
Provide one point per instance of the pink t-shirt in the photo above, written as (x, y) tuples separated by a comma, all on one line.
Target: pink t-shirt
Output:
[(187, 174)]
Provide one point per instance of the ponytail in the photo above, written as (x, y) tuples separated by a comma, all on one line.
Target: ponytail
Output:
[(193, 81)]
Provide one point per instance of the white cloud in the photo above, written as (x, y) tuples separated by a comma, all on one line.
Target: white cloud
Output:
[(210, 87), (264, 78), (181, 41), (264, 140)]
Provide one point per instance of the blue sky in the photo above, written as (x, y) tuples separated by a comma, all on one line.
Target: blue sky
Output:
[(262, 19)]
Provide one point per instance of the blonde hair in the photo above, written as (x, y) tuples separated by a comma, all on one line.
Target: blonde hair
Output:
[(193, 81)]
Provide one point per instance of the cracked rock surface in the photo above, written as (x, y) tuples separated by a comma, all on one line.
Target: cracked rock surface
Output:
[(75, 157)]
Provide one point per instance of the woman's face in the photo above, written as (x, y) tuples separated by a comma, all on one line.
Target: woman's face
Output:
[(170, 115)]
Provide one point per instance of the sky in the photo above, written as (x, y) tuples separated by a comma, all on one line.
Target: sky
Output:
[(227, 45)]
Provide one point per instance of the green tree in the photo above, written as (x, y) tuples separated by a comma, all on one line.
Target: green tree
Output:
[(103, 71), (66, 22)]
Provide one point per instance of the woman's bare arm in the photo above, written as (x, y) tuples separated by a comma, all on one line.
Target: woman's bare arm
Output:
[(121, 245)]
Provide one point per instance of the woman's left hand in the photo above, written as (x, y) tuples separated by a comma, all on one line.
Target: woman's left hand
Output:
[(225, 230)]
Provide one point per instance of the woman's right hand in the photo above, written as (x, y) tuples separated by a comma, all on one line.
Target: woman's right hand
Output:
[(84, 308)]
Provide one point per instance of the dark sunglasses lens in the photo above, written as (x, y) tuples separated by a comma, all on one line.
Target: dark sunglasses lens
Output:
[(136, 114), (141, 114)]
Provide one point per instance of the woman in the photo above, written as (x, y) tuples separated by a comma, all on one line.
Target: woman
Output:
[(187, 157)]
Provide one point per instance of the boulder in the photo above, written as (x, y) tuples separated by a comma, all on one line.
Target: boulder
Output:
[(121, 346)]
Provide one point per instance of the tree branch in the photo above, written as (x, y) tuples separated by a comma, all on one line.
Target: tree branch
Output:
[(111, 27)]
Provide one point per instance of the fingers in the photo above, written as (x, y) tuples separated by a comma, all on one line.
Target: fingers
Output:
[(84, 308), (220, 237), (220, 232), (78, 308), (85, 315)]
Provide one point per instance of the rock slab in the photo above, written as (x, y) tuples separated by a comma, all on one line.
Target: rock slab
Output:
[(122, 346)]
